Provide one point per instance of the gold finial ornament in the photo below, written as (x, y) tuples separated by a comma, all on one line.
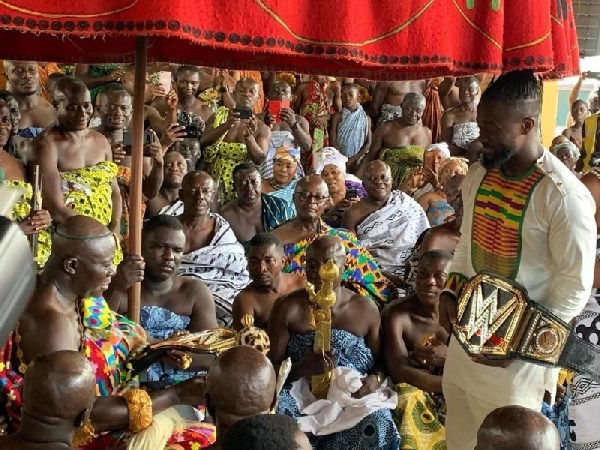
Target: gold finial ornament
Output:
[(321, 304)]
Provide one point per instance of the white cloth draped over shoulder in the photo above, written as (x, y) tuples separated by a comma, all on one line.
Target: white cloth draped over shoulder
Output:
[(390, 233)]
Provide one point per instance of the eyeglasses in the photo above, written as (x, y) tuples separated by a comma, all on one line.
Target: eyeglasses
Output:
[(307, 196)]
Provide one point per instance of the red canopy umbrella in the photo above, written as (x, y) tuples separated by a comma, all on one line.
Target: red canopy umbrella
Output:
[(375, 39)]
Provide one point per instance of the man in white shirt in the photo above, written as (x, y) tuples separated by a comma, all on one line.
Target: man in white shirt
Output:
[(529, 219)]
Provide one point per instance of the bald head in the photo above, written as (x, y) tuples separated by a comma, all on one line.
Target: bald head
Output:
[(377, 166), (517, 428), (241, 383), (77, 234), (312, 182), (59, 385)]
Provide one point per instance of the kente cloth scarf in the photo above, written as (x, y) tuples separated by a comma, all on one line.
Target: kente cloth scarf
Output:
[(352, 131)]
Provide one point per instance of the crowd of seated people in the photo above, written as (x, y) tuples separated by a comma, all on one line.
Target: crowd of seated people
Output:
[(251, 182)]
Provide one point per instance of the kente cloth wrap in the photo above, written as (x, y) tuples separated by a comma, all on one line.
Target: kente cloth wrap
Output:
[(351, 351), (362, 273), (390, 233), (160, 323), (432, 114), (88, 191), (44, 71), (108, 339), (279, 139), (21, 211), (402, 161), (352, 131), (418, 419), (315, 105), (124, 181), (275, 211), (221, 265), (464, 133), (222, 157), (500, 206), (389, 112), (439, 211)]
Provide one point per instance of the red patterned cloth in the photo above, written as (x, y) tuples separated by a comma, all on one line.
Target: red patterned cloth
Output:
[(372, 39)]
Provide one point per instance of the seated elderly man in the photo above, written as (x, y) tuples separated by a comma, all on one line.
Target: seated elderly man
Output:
[(253, 212), (265, 263), (387, 223), (361, 274), (355, 343), (58, 395), (67, 312), (23, 81), (212, 253), (518, 428), (230, 139), (240, 384), (169, 303), (415, 352)]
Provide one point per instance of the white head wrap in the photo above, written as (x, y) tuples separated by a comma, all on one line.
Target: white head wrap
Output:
[(329, 155), (441, 146)]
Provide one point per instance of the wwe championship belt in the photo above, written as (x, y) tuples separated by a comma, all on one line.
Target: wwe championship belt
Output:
[(496, 318)]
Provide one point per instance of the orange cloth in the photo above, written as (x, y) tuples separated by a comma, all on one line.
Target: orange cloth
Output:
[(45, 70), (432, 115)]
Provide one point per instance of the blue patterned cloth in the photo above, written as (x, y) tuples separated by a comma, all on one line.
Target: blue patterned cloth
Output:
[(377, 430), (559, 415), (160, 323), (286, 193), (275, 211)]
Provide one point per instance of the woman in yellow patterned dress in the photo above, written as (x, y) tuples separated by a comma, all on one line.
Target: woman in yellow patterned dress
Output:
[(12, 173)]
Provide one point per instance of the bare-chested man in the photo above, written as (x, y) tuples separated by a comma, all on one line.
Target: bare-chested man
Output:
[(170, 303), (459, 124), (231, 139), (76, 161), (191, 111), (63, 315), (253, 212), (174, 171), (388, 98), (23, 80), (355, 324), (414, 339), (59, 390), (265, 263), (406, 130)]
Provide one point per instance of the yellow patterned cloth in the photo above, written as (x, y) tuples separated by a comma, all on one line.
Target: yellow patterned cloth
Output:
[(21, 211), (88, 191), (417, 419), (222, 157)]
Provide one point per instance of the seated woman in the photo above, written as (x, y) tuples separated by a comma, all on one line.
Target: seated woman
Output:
[(434, 157), (569, 155), (344, 189), (415, 353), (285, 167), (435, 203), (362, 274), (13, 175)]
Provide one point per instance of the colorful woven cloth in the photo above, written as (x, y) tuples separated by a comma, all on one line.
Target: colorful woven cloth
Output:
[(222, 157), (362, 274), (500, 206), (314, 106), (418, 419), (402, 161)]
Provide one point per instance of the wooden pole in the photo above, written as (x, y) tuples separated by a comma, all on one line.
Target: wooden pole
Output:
[(137, 157)]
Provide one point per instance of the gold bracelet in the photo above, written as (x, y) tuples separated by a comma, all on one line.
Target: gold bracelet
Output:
[(139, 404)]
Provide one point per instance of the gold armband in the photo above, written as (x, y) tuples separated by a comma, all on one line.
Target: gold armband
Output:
[(139, 404)]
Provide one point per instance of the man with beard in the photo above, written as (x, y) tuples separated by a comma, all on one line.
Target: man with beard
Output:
[(168, 195), (526, 218), (253, 212), (23, 80), (76, 161), (170, 303), (232, 139), (265, 264)]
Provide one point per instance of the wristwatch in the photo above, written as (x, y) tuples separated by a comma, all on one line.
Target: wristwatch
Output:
[(496, 318), (223, 89)]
